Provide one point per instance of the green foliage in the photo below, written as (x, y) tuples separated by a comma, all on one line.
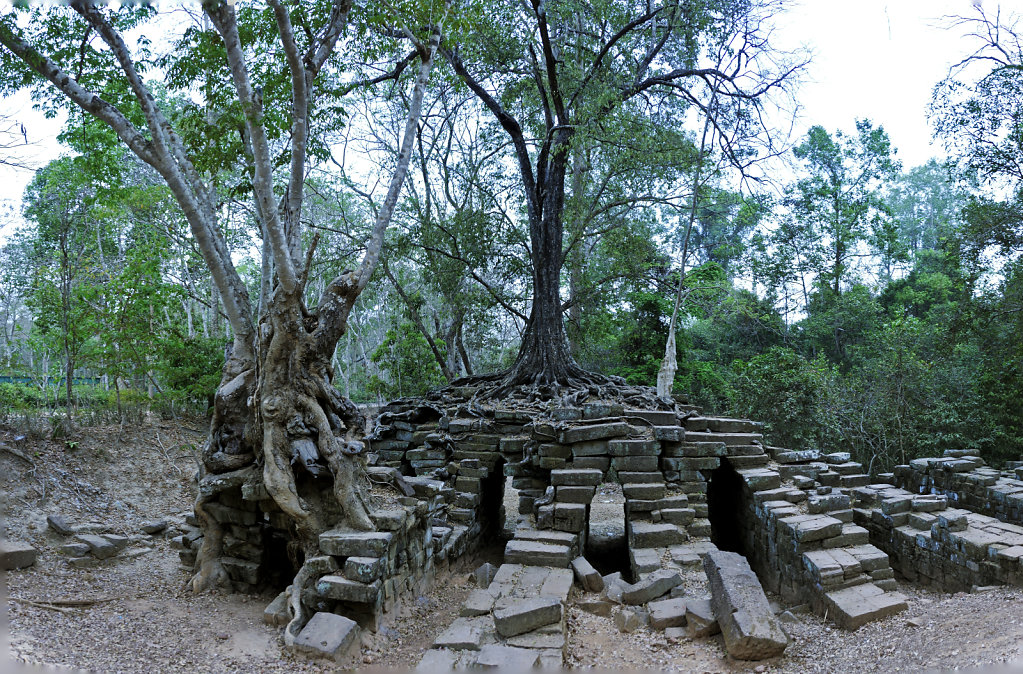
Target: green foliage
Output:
[(792, 394), (405, 357), (190, 367)]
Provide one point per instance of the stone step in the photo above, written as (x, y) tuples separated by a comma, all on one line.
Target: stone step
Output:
[(726, 425), (640, 477), (647, 491), (754, 461), (859, 605), (651, 535), (655, 417), (534, 553), (727, 438)]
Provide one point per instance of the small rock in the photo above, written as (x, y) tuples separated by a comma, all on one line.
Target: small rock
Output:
[(914, 622), (223, 635), (484, 575), (16, 555), (60, 525), (154, 527), (628, 620), (75, 549)]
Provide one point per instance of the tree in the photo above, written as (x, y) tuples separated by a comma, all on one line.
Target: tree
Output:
[(839, 204), (285, 364), (59, 200), (637, 57)]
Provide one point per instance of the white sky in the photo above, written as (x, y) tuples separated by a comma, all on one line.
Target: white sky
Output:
[(875, 59)]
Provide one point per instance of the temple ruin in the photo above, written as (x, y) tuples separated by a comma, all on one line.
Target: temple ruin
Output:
[(705, 502)]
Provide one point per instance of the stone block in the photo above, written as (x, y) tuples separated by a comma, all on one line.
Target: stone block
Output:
[(748, 625), (535, 553), (277, 613), (700, 620), (601, 463), (649, 491), (484, 574), (479, 602), (16, 555), (575, 477), (644, 560), (343, 589), (363, 569), (860, 604), (656, 584), (667, 613), (644, 464), (593, 432), (525, 615), (328, 635), (355, 544), (633, 447), (654, 535), (507, 658), (60, 525), (461, 635), (587, 576), (99, 546), (629, 620), (574, 494)]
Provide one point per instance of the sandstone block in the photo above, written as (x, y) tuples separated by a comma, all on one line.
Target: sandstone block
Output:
[(700, 620), (667, 613), (328, 635), (355, 544), (16, 555), (656, 584), (588, 576), (526, 615), (750, 629)]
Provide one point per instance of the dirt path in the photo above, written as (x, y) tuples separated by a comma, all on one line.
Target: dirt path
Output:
[(151, 625)]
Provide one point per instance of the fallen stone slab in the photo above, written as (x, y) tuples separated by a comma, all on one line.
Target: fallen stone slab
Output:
[(548, 636), (16, 555), (479, 602), (461, 635), (328, 635), (588, 576), (750, 629), (510, 658), (99, 546), (858, 605), (700, 620), (656, 584), (667, 613), (526, 615)]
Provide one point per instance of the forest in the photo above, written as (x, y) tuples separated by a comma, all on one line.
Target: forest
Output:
[(552, 191)]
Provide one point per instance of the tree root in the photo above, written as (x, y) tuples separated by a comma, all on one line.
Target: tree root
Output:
[(299, 617), (209, 571)]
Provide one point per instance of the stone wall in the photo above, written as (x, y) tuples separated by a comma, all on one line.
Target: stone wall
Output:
[(962, 476)]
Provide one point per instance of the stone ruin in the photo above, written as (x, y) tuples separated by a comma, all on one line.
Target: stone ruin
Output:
[(707, 506)]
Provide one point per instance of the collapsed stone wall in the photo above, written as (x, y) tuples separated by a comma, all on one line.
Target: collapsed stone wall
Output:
[(976, 543), (962, 476), (801, 541)]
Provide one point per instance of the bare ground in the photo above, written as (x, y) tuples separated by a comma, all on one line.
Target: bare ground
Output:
[(144, 621)]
